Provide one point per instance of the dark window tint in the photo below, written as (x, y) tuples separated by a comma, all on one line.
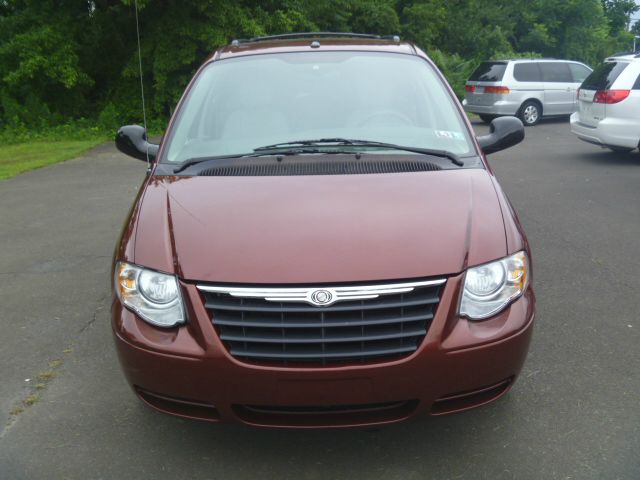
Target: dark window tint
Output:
[(603, 76), (489, 72), (579, 72), (636, 86), (526, 72), (556, 72)]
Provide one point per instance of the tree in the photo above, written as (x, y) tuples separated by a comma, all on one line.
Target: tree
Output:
[(66, 59), (423, 22), (40, 61), (619, 13)]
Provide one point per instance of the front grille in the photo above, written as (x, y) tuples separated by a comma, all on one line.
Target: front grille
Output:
[(363, 323)]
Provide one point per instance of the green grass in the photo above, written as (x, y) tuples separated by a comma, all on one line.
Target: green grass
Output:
[(22, 157), (31, 400), (17, 410), (46, 376)]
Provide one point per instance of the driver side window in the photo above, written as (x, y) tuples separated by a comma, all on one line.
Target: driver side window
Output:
[(579, 72)]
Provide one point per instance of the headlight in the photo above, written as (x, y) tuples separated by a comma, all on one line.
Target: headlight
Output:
[(154, 296), (489, 288)]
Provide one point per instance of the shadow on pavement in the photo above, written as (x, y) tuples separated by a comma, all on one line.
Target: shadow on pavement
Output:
[(606, 157), (352, 453), (543, 121)]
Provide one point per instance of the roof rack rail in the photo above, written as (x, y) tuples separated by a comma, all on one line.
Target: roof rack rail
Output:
[(622, 54), (526, 58), (293, 36)]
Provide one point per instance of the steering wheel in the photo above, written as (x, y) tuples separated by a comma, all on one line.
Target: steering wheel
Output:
[(403, 119)]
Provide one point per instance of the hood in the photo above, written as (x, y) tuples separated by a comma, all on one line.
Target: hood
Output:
[(319, 229)]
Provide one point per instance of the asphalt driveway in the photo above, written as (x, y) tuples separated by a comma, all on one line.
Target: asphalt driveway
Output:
[(574, 413)]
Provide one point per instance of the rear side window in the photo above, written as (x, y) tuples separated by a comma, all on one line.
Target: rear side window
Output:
[(579, 72), (556, 72), (636, 86), (527, 72), (489, 72), (603, 76)]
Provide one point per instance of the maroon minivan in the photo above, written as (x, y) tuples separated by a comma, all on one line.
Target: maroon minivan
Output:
[(320, 242)]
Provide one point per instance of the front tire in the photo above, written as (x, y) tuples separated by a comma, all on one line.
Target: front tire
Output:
[(487, 118), (530, 113)]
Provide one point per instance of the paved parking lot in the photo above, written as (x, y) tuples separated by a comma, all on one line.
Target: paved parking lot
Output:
[(574, 414)]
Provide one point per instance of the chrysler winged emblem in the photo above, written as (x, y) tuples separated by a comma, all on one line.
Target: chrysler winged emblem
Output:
[(321, 297)]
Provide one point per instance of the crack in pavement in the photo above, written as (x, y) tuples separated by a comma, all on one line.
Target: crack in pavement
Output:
[(99, 306), (36, 390)]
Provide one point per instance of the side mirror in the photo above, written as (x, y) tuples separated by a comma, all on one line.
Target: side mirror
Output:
[(504, 132), (132, 140)]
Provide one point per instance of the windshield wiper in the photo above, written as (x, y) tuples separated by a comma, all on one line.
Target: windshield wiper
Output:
[(321, 142), (193, 161), (300, 147), (331, 142)]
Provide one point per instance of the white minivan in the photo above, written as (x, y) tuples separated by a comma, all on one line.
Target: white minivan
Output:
[(609, 105)]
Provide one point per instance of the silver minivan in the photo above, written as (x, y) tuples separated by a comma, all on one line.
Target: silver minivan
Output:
[(526, 88)]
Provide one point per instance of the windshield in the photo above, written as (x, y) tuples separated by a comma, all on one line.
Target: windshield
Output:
[(240, 104)]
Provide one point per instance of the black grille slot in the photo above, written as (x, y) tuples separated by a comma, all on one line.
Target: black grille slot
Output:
[(351, 331), (265, 168)]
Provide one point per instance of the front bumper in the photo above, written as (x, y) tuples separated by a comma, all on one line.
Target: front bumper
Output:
[(610, 132), (459, 365)]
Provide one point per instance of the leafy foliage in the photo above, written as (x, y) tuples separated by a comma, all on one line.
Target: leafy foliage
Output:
[(68, 60)]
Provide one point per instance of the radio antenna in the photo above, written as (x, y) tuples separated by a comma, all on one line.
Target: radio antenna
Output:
[(144, 110)]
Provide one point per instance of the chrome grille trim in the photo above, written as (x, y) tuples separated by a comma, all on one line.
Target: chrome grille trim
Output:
[(305, 294)]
